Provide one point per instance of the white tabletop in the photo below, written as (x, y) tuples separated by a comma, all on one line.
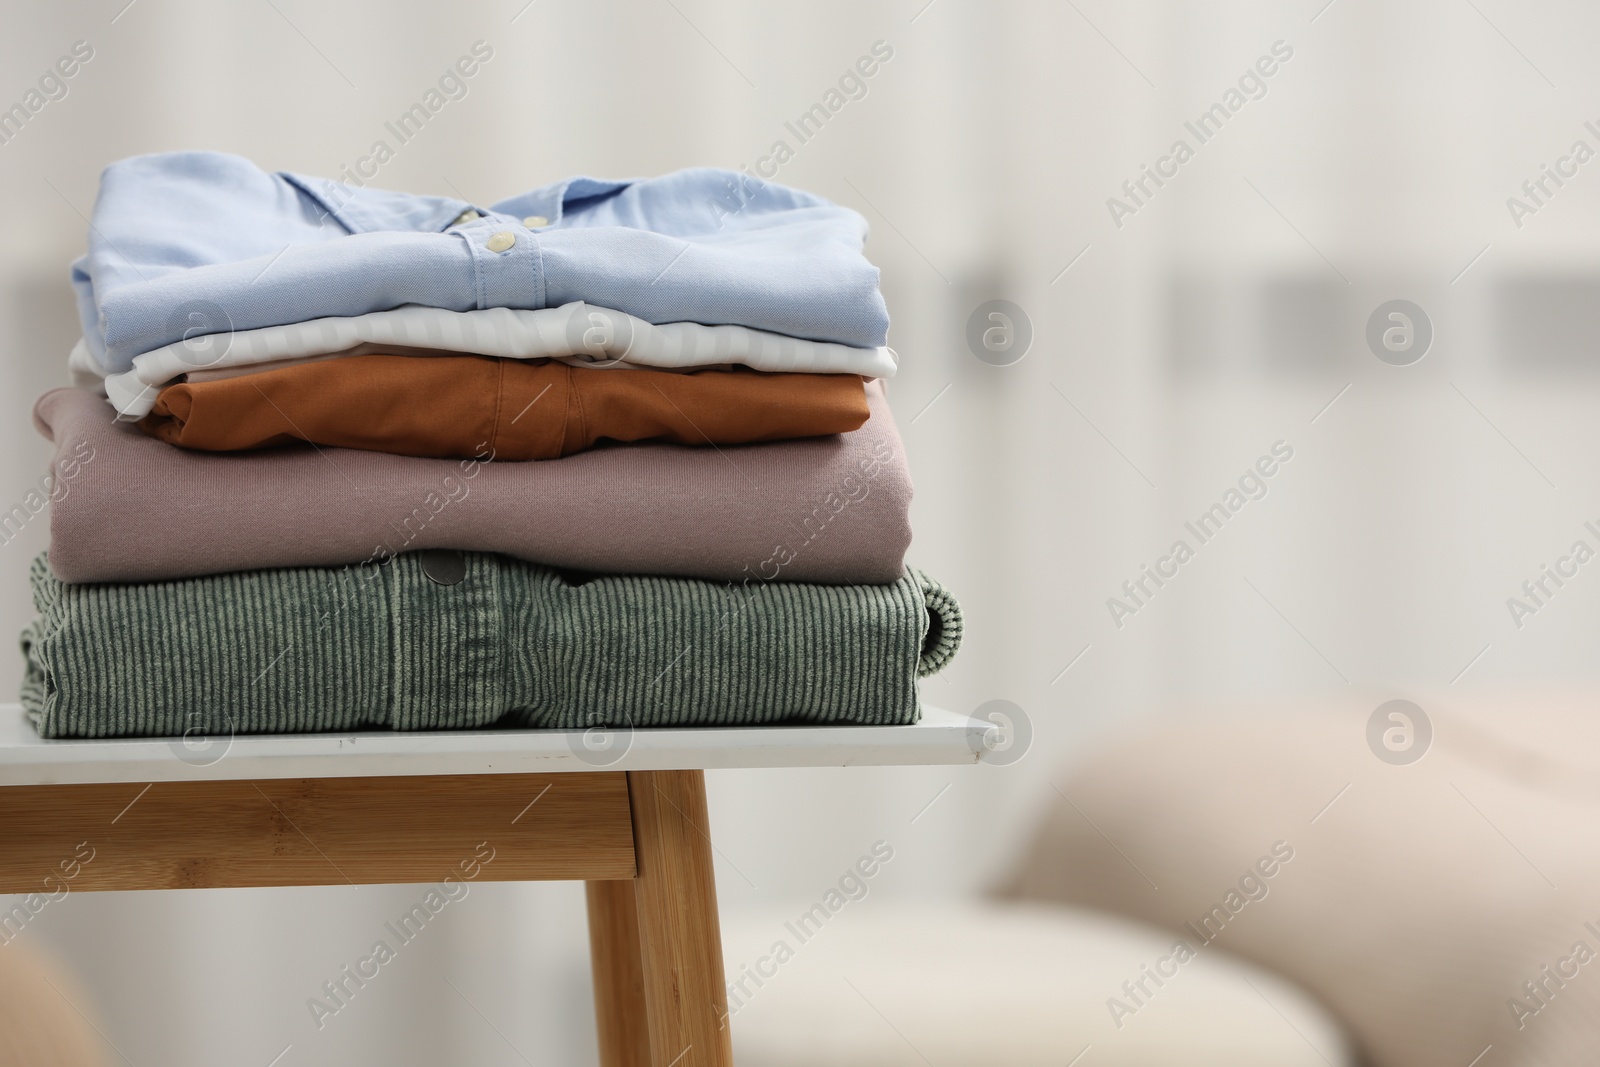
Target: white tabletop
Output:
[(941, 738)]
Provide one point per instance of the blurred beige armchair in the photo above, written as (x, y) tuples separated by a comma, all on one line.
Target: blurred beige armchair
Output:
[(44, 1014), (1444, 894)]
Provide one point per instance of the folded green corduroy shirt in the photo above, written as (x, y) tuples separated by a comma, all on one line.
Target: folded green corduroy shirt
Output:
[(445, 640)]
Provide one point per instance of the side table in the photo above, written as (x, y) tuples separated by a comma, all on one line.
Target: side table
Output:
[(624, 812)]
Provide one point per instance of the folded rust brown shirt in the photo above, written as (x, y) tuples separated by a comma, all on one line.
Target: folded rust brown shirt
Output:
[(463, 406)]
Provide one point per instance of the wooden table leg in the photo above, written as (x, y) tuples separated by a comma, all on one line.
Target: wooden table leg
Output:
[(680, 940), (619, 1009)]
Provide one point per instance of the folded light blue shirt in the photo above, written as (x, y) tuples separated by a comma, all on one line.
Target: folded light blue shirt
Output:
[(194, 243)]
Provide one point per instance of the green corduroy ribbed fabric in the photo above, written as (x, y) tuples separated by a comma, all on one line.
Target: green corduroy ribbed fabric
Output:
[(514, 644)]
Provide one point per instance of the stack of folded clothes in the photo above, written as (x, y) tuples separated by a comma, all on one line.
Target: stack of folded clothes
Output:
[(605, 453)]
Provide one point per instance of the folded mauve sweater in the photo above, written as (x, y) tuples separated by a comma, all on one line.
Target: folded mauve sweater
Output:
[(129, 508), (393, 645)]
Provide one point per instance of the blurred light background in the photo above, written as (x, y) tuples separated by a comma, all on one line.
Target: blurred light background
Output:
[(1169, 352)]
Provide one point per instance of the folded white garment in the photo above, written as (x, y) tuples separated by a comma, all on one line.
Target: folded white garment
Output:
[(577, 333)]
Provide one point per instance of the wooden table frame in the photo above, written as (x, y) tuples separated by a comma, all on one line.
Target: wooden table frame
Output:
[(640, 839), (372, 808)]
